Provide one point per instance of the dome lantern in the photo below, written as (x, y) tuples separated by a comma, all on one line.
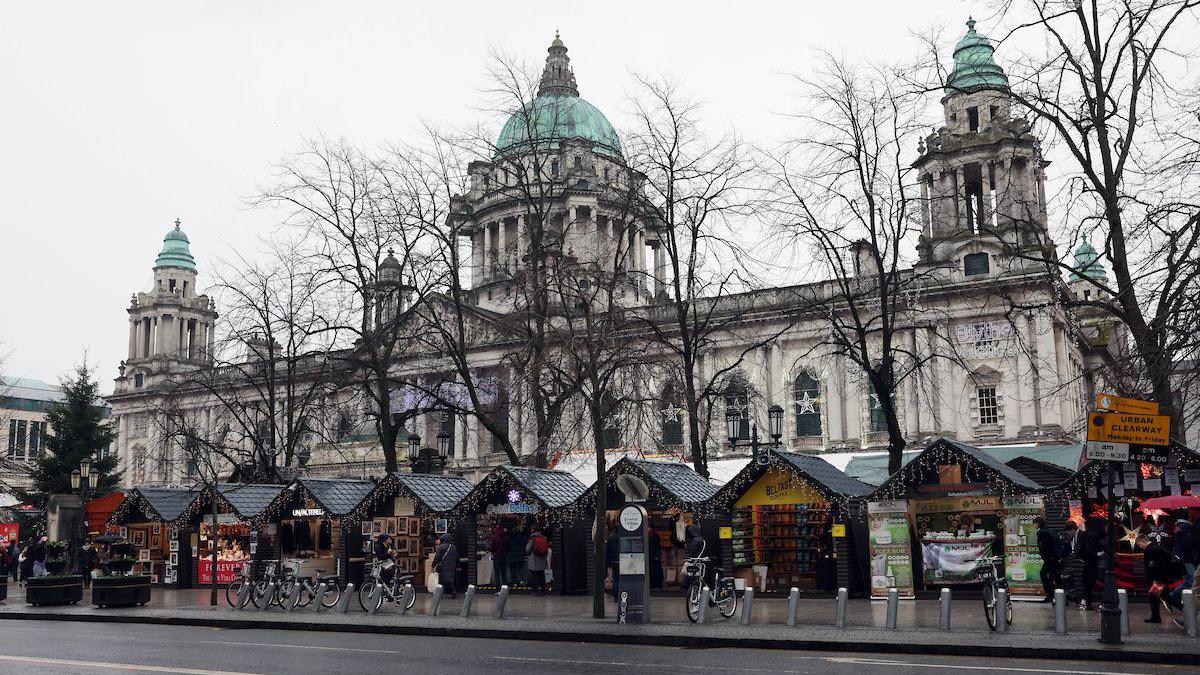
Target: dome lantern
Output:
[(176, 250), (974, 65)]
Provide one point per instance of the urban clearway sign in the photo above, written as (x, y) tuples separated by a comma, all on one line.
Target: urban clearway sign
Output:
[(1125, 405), (1114, 427), (1111, 452)]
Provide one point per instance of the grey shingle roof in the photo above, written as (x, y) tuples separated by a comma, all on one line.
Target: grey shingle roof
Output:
[(168, 503), (980, 456), (437, 493), (820, 471), (338, 497), (680, 481), (251, 500), (552, 488)]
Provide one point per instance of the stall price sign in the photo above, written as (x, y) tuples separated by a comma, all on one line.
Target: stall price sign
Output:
[(1129, 428), (1126, 405)]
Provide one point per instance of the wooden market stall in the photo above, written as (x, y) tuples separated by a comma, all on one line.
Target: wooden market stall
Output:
[(416, 508), (317, 525), (792, 524), (159, 521)]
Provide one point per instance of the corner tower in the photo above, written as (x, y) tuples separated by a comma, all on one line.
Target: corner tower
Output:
[(981, 175), (171, 325)]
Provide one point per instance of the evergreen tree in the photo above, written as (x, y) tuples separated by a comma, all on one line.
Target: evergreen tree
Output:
[(78, 429)]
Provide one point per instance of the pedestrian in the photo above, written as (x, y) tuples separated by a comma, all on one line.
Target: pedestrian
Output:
[(26, 563), (1182, 544), (1049, 546), (516, 555), (39, 553), (656, 568), (14, 563), (611, 558), (6, 560), (537, 552), (87, 560), (1071, 565), (1160, 571), (445, 561), (695, 548), (498, 547), (1093, 549)]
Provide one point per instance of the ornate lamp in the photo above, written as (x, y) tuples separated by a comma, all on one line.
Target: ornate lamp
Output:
[(775, 417), (443, 444), (732, 421), (414, 447)]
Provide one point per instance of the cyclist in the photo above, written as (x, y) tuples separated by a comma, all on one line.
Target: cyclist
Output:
[(386, 557), (695, 548)]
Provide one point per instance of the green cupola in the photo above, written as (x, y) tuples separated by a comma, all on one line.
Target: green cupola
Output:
[(1087, 263), (974, 65), (176, 251), (558, 113)]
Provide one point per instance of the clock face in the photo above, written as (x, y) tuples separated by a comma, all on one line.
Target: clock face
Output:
[(631, 518)]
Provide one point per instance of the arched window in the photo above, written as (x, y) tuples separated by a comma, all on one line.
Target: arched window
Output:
[(672, 416), (737, 400), (875, 406), (808, 405), (612, 433)]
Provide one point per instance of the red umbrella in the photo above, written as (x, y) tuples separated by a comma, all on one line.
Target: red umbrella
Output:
[(1172, 502)]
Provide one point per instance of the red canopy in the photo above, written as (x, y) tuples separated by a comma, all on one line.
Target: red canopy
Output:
[(1171, 502)]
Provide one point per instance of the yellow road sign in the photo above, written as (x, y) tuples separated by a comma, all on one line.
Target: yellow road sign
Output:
[(1129, 428), (1126, 405)]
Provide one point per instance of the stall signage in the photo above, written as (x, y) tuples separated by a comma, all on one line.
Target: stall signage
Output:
[(1129, 428), (838, 530), (779, 487), (890, 548), (1022, 563), (307, 513), (725, 533), (1126, 405), (984, 504), (1110, 452), (227, 570), (519, 507), (9, 531)]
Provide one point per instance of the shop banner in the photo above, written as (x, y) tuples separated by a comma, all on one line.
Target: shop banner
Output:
[(953, 562), (890, 548), (9, 531), (227, 571), (779, 487), (1022, 564)]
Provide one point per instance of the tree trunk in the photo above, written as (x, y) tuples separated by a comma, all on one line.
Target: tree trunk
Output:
[(600, 537)]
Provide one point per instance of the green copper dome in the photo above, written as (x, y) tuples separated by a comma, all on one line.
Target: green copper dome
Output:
[(974, 67), (558, 113), (1087, 263), (176, 251)]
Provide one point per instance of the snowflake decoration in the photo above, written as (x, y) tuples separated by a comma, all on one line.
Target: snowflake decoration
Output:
[(806, 404), (1158, 533), (514, 496)]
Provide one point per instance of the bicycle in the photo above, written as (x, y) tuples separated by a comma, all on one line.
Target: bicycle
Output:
[(722, 594), (308, 587), (392, 590), (235, 587), (993, 581), (259, 590)]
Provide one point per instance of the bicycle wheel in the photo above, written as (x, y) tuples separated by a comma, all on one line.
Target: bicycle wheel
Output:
[(364, 597), (727, 602), (693, 601), (306, 596), (332, 595), (283, 591), (232, 590), (989, 605), (258, 594)]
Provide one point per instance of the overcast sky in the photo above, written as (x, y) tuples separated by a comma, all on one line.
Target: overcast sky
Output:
[(119, 117)]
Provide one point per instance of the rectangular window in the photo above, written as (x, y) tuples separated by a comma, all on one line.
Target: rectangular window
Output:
[(612, 438), (878, 417), (554, 168), (976, 263), (989, 408), (21, 428), (36, 432), (191, 468), (12, 437), (973, 119)]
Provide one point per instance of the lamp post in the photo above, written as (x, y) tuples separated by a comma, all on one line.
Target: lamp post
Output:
[(83, 480), (428, 460), (760, 451), (1110, 609)]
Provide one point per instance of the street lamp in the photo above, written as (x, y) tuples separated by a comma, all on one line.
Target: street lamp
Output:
[(414, 447), (775, 417), (760, 451), (443, 445), (84, 480)]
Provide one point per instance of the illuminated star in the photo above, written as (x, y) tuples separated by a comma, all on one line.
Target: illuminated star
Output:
[(1154, 514), (1130, 537), (807, 404)]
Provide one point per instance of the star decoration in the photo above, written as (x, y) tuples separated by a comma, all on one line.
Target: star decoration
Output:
[(875, 402), (671, 412), (807, 404), (1130, 537), (1154, 514), (1158, 533)]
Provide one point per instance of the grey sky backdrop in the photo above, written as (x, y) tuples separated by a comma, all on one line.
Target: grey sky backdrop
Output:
[(120, 116)]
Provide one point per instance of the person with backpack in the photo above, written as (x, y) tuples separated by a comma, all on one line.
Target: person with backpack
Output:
[(1050, 549), (537, 552), (445, 561), (498, 547)]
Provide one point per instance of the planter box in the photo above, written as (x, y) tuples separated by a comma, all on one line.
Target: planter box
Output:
[(121, 591), (4, 587), (54, 590)]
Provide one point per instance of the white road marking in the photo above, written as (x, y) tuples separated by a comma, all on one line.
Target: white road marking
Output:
[(292, 646), (128, 667), (951, 666), (830, 659)]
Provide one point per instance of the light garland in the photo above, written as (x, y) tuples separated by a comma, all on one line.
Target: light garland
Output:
[(926, 465)]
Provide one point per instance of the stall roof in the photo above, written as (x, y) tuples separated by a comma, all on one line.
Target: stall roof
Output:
[(825, 477), (684, 485), (554, 489), (1042, 473), (582, 464), (437, 493), (1079, 481), (250, 501), (871, 468), (338, 497), (167, 504), (986, 460)]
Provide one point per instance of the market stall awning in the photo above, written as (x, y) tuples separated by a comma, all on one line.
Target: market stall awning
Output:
[(672, 485), (99, 510), (339, 498), (547, 488), (252, 501), (822, 476), (872, 467), (978, 466), (160, 503)]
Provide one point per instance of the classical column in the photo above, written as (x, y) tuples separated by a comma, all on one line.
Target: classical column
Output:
[(487, 253), (926, 207), (208, 329), (502, 245), (156, 347), (133, 339), (960, 201)]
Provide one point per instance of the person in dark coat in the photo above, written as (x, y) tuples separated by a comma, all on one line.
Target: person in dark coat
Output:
[(445, 561), (1048, 545), (87, 560), (1093, 549), (695, 548), (1160, 572), (26, 563), (611, 559), (656, 568), (516, 554), (498, 547)]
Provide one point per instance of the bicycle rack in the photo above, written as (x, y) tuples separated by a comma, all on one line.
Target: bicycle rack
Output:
[(375, 600), (893, 606), (1189, 612), (501, 598), (322, 588), (268, 597), (944, 609), (702, 612), (344, 603), (1002, 610), (1123, 604), (293, 598), (467, 598), (405, 593), (1060, 611), (747, 606), (435, 601), (793, 605), (243, 596), (839, 615)]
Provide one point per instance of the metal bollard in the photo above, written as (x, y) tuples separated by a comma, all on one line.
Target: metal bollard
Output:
[(1123, 605), (793, 605), (375, 599), (1002, 610), (344, 601), (467, 598), (944, 609), (406, 594), (893, 607), (435, 602), (747, 606), (1189, 612), (319, 600), (268, 597), (243, 597), (501, 598), (702, 612), (293, 598), (1060, 611), (839, 616)]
